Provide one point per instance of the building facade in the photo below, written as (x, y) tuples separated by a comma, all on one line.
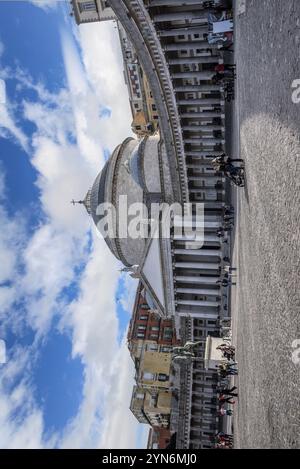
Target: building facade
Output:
[(170, 38), (159, 438), (151, 408), (143, 108), (90, 11)]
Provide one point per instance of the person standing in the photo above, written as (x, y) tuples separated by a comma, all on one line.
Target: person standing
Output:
[(227, 400), (229, 392)]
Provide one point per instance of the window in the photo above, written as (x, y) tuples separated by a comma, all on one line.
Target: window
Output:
[(148, 376), (87, 6), (153, 107), (182, 36), (152, 347), (168, 333), (154, 328), (140, 335), (153, 401), (143, 317), (196, 36), (136, 105), (166, 349), (162, 377), (141, 328)]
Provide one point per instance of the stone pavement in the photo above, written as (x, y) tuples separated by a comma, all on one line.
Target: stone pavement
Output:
[(266, 301)]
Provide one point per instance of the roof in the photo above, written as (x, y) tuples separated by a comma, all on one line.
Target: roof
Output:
[(97, 193)]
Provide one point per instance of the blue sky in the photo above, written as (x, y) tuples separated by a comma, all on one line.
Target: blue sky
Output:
[(64, 306)]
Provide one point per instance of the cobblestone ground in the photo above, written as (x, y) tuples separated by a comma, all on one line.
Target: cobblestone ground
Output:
[(266, 302)]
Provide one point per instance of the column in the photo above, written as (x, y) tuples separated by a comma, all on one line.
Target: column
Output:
[(177, 31), (197, 265), (191, 238), (197, 280), (198, 16), (200, 101), (204, 141), (209, 182), (208, 155), (195, 60), (199, 252), (202, 128), (158, 3), (201, 115), (190, 223), (200, 88), (188, 45), (200, 75), (197, 315), (199, 303)]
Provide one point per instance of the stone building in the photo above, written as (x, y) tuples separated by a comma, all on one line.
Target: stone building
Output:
[(143, 108), (158, 438), (151, 408), (89, 11), (146, 324), (180, 274)]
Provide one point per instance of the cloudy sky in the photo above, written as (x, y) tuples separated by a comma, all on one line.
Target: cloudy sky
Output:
[(64, 306)]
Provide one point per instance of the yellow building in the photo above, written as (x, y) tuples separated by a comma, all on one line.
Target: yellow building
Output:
[(154, 368), (150, 103), (151, 408)]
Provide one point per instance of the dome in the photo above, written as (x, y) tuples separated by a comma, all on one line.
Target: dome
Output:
[(135, 164), (97, 193), (111, 183), (133, 170)]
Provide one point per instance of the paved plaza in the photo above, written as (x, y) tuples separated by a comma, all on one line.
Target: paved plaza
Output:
[(266, 301)]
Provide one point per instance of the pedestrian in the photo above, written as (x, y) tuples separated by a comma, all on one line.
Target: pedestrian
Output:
[(225, 282), (229, 271), (230, 160), (228, 217), (224, 412), (229, 392), (219, 185), (217, 78), (231, 371)]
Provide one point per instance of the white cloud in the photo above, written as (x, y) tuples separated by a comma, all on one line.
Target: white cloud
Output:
[(103, 71), (8, 126), (120, 426), (129, 292), (2, 48), (45, 4), (17, 404), (67, 152)]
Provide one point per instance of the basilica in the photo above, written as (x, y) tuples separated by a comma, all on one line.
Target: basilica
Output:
[(179, 273)]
